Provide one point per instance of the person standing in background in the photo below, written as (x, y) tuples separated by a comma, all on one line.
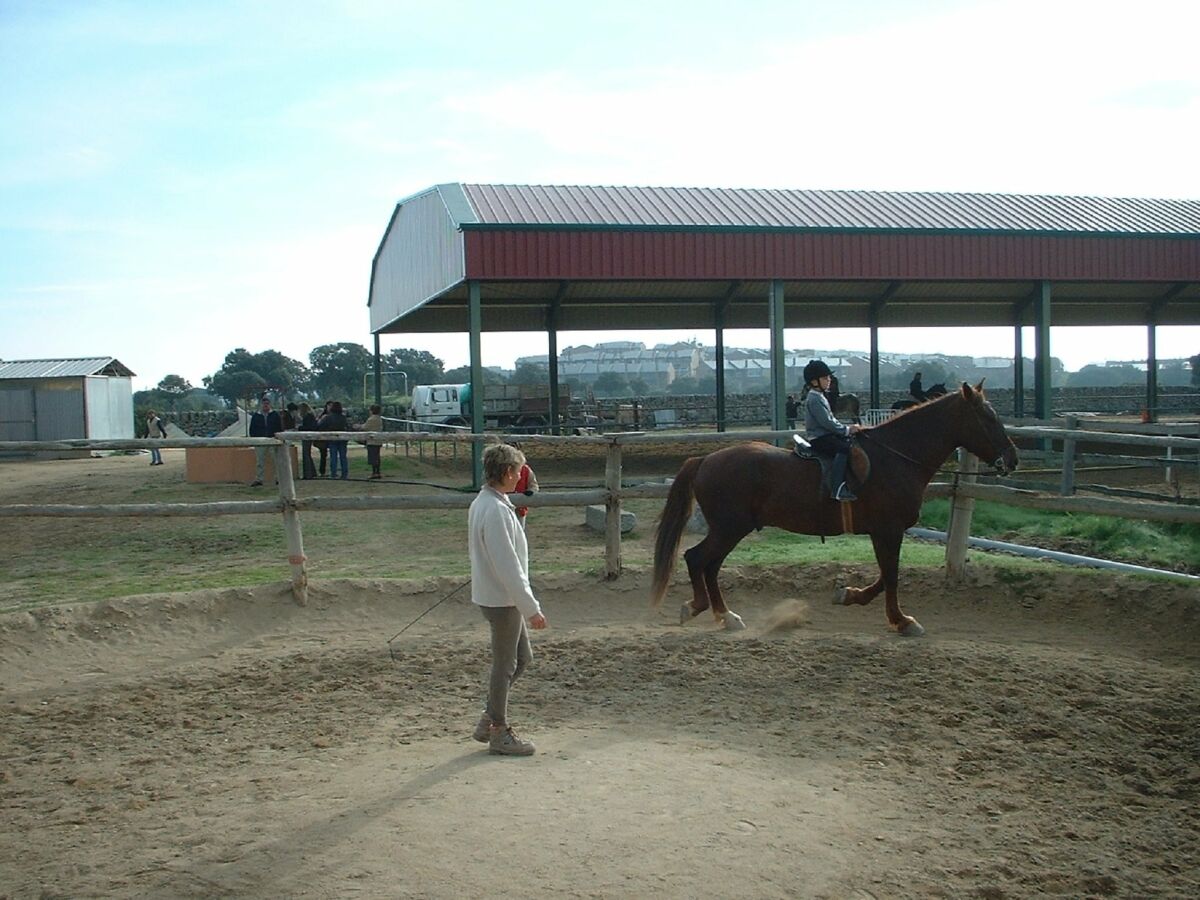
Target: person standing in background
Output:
[(155, 430), (335, 420), (323, 446), (264, 423), (308, 422), (374, 423)]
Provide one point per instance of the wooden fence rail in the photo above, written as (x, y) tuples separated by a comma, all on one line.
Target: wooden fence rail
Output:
[(611, 494)]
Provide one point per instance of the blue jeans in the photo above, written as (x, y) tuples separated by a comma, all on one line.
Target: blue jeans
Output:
[(155, 456), (337, 451)]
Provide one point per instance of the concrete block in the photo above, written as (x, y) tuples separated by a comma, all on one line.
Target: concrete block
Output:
[(594, 519)]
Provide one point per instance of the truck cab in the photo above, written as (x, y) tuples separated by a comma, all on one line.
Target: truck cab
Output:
[(441, 404)]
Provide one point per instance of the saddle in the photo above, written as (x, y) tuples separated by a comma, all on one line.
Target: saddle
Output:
[(857, 471)]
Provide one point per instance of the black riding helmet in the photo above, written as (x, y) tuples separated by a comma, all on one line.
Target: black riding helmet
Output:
[(815, 369)]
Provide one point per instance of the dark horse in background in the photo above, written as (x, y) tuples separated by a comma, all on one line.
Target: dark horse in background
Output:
[(749, 486), (844, 406), (934, 391), (848, 407)]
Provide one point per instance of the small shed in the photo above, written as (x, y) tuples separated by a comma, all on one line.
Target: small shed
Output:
[(65, 399)]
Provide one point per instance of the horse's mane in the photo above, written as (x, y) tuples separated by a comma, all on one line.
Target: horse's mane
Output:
[(919, 408)]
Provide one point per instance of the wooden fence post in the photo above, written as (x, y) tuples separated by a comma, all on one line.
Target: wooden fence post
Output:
[(1067, 488), (291, 522), (961, 510), (612, 515)]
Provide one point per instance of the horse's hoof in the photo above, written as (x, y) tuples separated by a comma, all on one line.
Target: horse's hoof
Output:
[(912, 628), (839, 599), (733, 622), (685, 613)]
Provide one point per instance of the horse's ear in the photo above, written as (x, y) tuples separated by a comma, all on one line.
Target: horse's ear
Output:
[(979, 387), (968, 392)]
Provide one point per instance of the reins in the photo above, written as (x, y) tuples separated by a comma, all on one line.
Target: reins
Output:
[(920, 465)]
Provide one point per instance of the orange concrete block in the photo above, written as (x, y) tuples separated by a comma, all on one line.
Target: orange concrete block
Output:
[(231, 465)]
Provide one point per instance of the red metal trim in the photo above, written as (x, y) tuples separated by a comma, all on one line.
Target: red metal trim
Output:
[(527, 254)]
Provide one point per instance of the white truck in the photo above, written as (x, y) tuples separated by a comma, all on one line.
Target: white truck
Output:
[(505, 406)]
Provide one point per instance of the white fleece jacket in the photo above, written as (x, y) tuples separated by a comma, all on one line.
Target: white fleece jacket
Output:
[(499, 554)]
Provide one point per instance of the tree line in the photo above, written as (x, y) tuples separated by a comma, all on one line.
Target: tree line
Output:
[(345, 371)]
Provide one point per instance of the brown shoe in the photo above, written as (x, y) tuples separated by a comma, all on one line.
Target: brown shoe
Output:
[(503, 741)]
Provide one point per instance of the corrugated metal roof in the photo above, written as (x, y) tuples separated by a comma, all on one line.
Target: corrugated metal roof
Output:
[(723, 208), (62, 368)]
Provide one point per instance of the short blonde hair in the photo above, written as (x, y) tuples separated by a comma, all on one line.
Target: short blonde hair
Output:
[(498, 459)]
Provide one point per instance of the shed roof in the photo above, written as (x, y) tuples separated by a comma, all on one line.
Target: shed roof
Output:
[(62, 368), (507, 205)]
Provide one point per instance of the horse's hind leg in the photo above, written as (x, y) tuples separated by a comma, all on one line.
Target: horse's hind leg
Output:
[(703, 563), (695, 558)]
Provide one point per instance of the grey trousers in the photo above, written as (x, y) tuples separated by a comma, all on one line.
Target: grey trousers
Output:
[(511, 653)]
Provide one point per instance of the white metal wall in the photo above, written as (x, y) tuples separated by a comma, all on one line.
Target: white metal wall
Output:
[(410, 269), (109, 407)]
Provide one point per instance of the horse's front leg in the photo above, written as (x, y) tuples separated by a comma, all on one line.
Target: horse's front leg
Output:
[(849, 596), (887, 554)]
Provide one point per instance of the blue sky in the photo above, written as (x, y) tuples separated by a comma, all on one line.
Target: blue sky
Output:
[(177, 180)]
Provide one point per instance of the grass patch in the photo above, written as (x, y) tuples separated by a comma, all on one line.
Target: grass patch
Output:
[(1163, 545)]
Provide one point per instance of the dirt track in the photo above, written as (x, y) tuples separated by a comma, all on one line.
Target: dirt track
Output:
[(1041, 740)]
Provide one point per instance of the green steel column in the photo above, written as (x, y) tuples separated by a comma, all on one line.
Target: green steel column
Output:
[(1153, 311), (1041, 349), (778, 372), (873, 313), (875, 401), (475, 320), (719, 362), (1151, 373), (378, 374), (552, 357), (1018, 372)]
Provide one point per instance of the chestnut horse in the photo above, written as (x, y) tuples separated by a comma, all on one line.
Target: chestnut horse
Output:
[(748, 486)]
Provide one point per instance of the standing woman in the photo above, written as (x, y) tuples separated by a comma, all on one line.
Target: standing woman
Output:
[(500, 588), (335, 420), (323, 446), (308, 422), (155, 431)]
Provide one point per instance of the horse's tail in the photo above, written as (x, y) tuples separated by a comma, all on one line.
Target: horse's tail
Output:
[(671, 523)]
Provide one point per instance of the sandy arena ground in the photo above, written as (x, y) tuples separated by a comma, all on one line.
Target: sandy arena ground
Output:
[(1041, 740)]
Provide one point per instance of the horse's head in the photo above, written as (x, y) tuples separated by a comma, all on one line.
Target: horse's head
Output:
[(983, 432), (937, 390)]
